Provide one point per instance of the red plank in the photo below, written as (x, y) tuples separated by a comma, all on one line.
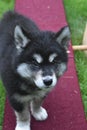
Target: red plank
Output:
[(64, 103)]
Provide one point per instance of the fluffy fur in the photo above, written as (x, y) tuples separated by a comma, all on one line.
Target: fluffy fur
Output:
[(31, 61)]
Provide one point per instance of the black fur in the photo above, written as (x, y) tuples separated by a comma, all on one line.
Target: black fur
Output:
[(42, 42)]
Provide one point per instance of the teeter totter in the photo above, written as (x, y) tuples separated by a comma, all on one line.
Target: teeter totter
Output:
[(64, 103)]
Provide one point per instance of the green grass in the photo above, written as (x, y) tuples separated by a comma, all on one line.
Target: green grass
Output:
[(4, 6), (76, 11), (2, 100)]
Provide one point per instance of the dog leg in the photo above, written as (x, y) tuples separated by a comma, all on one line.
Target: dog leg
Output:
[(38, 112), (23, 120)]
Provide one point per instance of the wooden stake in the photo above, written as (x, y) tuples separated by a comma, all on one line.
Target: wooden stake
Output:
[(80, 47), (84, 42)]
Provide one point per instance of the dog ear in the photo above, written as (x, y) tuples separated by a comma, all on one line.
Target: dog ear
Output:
[(21, 40), (63, 37)]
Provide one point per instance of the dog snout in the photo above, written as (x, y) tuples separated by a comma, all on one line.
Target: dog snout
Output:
[(47, 80)]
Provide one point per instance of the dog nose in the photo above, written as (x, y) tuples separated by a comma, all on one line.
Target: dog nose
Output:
[(47, 80)]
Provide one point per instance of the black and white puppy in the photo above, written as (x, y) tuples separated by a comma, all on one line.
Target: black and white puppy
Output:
[(31, 61)]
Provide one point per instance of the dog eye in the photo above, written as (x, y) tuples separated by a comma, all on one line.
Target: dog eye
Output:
[(34, 62), (56, 61)]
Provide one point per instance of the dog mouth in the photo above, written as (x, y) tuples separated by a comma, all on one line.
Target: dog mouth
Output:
[(46, 81)]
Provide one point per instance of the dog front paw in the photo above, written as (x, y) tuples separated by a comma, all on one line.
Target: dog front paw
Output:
[(22, 126), (40, 114)]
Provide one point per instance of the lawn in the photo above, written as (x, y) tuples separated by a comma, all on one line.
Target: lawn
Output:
[(76, 13), (4, 6)]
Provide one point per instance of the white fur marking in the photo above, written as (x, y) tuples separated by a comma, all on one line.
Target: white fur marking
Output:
[(47, 77), (62, 69), (24, 115), (38, 58), (19, 34), (40, 114), (65, 33), (22, 98), (22, 125), (23, 70), (37, 95), (23, 120), (52, 57), (39, 80), (54, 80)]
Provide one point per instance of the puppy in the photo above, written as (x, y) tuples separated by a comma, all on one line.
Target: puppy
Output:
[(31, 62)]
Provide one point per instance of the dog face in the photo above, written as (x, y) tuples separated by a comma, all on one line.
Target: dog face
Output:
[(42, 58)]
